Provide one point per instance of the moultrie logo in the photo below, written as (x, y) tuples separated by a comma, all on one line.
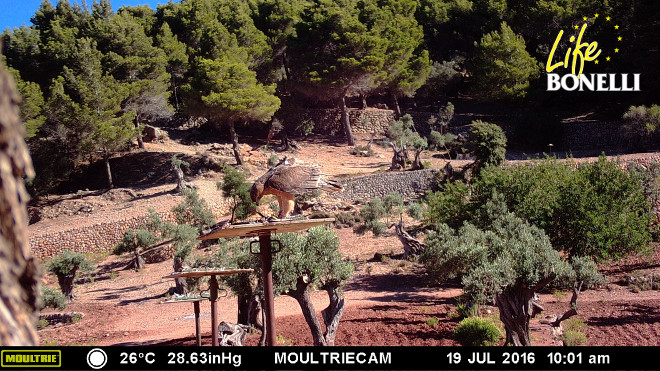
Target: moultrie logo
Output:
[(580, 52)]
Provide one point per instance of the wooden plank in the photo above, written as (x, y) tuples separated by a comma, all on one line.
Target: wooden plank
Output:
[(208, 272), (255, 229), (191, 300)]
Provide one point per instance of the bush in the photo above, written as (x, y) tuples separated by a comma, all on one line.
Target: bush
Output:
[(450, 205), (597, 210), (572, 338), (362, 151), (273, 160), (52, 299), (489, 144), (475, 331), (641, 122), (347, 220)]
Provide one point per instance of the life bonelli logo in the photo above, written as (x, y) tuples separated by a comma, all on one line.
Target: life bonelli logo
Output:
[(581, 52)]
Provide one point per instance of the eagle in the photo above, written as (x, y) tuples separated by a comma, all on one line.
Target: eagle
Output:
[(286, 180)]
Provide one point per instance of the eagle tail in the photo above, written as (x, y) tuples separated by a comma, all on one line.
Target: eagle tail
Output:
[(331, 186)]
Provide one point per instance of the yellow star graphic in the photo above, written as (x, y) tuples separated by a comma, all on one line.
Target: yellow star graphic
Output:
[(616, 27), (596, 15), (619, 38), (585, 18), (596, 61), (608, 59), (616, 50), (607, 18), (576, 27)]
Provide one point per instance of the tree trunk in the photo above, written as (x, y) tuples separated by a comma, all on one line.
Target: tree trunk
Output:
[(66, 283), (139, 133), (181, 284), (516, 309), (234, 144), (332, 314), (395, 106), (19, 282), (346, 121), (364, 101), (108, 172), (411, 246), (302, 297), (417, 163), (399, 158), (139, 260)]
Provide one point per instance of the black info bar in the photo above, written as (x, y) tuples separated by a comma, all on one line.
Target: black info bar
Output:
[(335, 358)]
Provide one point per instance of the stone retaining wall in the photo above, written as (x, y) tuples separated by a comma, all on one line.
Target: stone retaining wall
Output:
[(327, 121), (410, 184), (94, 237)]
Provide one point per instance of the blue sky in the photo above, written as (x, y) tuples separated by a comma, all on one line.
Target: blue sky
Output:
[(14, 13)]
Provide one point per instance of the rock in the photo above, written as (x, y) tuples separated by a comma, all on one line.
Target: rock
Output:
[(152, 134)]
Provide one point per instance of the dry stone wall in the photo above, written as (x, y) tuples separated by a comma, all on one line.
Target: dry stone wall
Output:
[(98, 234), (410, 184)]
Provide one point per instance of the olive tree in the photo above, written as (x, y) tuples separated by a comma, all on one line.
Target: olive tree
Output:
[(505, 263), (65, 266)]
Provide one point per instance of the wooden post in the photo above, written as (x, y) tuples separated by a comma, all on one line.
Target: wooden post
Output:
[(213, 290), (266, 256), (198, 329)]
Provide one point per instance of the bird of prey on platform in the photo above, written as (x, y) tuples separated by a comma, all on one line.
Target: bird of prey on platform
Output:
[(286, 180)]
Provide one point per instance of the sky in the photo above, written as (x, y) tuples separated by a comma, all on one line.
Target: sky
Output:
[(14, 13)]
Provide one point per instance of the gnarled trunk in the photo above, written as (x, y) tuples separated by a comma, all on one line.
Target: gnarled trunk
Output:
[(399, 157), (395, 106), (181, 284), (302, 297), (417, 162), (517, 307), (138, 128), (66, 283), (234, 144), (346, 121), (332, 314)]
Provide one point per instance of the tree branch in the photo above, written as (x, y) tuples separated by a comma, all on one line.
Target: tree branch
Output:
[(574, 309)]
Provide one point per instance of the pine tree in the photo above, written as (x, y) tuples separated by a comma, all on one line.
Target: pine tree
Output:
[(501, 65), (334, 55)]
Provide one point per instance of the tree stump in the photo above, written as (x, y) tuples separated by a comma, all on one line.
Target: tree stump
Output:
[(230, 334), (411, 245)]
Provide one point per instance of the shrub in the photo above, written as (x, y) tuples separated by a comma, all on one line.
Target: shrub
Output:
[(574, 324), (489, 144), (52, 299), (572, 338), (475, 331), (273, 160), (362, 151), (641, 122), (450, 205), (597, 210), (433, 321), (346, 220)]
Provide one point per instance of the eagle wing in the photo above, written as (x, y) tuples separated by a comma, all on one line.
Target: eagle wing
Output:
[(294, 179)]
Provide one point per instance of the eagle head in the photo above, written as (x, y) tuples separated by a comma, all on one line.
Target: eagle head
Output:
[(256, 191)]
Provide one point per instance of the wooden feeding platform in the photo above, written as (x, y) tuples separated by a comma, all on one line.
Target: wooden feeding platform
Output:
[(264, 230), (213, 296), (257, 229)]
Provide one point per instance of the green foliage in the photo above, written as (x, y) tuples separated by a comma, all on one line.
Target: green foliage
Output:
[(449, 206), (193, 211), (237, 190), (574, 324), (433, 321), (475, 331), (377, 209), (489, 144), (573, 338), (415, 210), (273, 160), (68, 263), (315, 255), (52, 299), (501, 65), (596, 210), (641, 121), (510, 253), (463, 310), (305, 128), (32, 103), (362, 151), (133, 239), (347, 220)]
